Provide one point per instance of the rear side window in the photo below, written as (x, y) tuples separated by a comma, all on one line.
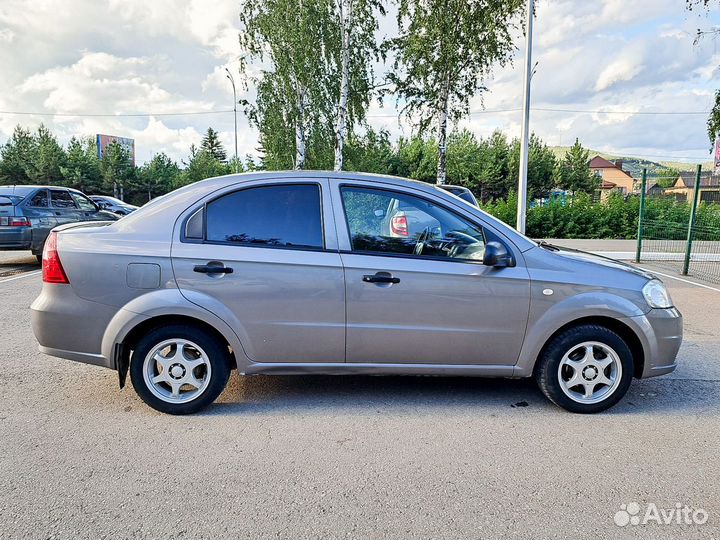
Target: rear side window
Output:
[(40, 199), (61, 199), (274, 216)]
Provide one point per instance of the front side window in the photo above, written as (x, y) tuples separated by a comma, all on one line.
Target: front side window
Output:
[(61, 199), (276, 216), (85, 204), (391, 222)]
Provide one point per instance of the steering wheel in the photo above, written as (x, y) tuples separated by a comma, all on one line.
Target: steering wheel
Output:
[(420, 244), (461, 242)]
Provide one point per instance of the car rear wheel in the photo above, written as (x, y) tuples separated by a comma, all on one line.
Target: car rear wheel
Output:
[(586, 369), (179, 369)]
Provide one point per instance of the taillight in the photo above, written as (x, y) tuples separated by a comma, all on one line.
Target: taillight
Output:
[(52, 269), (399, 225), (15, 221)]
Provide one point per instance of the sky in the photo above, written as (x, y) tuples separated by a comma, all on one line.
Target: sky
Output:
[(157, 58)]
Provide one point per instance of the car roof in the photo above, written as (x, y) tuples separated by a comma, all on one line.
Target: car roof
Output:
[(171, 204), (29, 187)]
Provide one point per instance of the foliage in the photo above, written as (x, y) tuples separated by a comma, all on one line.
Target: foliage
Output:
[(15, 156), (116, 169), (446, 48), (212, 145), (573, 173), (614, 218), (158, 176), (201, 165), (295, 95), (82, 168)]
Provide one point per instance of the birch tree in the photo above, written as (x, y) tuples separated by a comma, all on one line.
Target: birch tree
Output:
[(357, 24), (286, 56), (445, 51)]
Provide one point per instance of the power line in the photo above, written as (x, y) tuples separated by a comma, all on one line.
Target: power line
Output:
[(393, 115), (186, 113), (571, 111)]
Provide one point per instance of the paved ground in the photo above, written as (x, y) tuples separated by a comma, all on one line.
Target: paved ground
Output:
[(352, 457)]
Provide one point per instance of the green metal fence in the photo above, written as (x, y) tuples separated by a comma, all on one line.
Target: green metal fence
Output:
[(686, 239)]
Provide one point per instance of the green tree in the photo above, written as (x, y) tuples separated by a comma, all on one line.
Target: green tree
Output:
[(117, 170), (446, 48), (201, 165), (82, 166), (415, 158), (573, 173), (541, 167), (494, 175), (15, 155), (212, 145), (464, 158), (157, 176), (371, 153), (295, 95), (47, 158)]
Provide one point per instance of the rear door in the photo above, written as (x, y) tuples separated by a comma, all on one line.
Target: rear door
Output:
[(264, 258), (423, 296), (63, 206), (42, 217)]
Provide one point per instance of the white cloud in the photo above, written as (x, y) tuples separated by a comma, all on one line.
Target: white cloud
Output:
[(623, 69)]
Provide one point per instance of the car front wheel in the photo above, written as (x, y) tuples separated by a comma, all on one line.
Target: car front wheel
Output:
[(179, 369), (586, 369)]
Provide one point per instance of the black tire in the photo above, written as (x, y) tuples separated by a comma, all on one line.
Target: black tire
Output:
[(38, 256), (548, 366), (217, 355)]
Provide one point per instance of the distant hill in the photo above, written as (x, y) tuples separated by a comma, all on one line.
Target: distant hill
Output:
[(634, 165)]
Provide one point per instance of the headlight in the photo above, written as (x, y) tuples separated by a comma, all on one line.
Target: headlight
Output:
[(656, 295)]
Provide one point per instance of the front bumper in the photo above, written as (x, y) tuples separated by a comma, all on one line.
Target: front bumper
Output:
[(662, 333), (15, 237)]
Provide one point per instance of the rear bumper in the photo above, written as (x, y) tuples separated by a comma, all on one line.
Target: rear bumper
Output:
[(15, 237), (68, 326)]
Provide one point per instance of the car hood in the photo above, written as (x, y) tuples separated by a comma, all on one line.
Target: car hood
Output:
[(584, 256)]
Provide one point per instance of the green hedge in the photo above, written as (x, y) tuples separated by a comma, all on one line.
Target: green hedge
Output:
[(614, 218)]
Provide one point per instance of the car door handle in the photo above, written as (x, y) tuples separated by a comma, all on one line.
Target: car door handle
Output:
[(206, 269), (380, 277)]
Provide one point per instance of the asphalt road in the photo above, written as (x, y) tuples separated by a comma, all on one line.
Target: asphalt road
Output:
[(352, 457)]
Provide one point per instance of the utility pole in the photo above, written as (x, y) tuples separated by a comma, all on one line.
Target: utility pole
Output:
[(232, 81), (525, 134)]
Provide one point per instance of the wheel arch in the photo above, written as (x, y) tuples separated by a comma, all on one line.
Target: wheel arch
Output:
[(620, 328)]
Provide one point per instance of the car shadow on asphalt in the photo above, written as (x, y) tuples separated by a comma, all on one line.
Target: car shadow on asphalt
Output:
[(355, 394)]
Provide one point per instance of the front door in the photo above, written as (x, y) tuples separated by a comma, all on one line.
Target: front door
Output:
[(417, 291), (262, 258), (63, 206)]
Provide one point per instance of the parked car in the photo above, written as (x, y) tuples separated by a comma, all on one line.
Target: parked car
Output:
[(462, 192), (111, 204), (28, 213), (294, 273)]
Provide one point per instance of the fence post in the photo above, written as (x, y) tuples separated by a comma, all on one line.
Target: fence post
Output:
[(691, 223), (641, 215)]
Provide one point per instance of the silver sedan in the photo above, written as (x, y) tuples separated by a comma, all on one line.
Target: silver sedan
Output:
[(332, 273)]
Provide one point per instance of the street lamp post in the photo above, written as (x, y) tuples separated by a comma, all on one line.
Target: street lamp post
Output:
[(232, 81), (522, 180)]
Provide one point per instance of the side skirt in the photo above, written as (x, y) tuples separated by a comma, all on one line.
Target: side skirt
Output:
[(341, 368)]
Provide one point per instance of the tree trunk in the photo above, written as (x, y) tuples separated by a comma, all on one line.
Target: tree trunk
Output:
[(442, 138), (300, 136), (341, 129)]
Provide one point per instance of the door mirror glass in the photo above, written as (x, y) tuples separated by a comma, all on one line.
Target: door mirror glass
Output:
[(379, 213), (496, 255)]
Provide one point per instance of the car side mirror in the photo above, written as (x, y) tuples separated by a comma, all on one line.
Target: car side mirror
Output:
[(496, 255)]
